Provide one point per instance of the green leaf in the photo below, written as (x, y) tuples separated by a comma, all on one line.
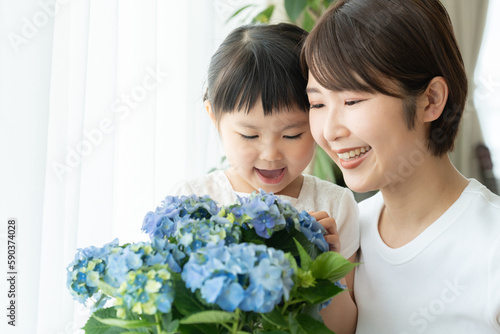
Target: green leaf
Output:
[(185, 301), (209, 317), (329, 2), (315, 5), (294, 8), (124, 323), (105, 288), (294, 325), (250, 236), (264, 16), (307, 24), (283, 240), (198, 329), (275, 318), (320, 293), (233, 16), (93, 326), (331, 266), (311, 325), (291, 259), (169, 325), (305, 259)]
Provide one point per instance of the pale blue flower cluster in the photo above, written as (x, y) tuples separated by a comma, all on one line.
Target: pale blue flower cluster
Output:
[(122, 260), (86, 269), (245, 276), (262, 211), (313, 230), (192, 234), (267, 214), (138, 273), (220, 253), (163, 222), (146, 290)]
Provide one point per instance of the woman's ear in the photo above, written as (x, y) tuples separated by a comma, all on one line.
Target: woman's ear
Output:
[(434, 99), (210, 112)]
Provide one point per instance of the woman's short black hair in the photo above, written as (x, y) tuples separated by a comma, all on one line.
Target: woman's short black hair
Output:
[(371, 45)]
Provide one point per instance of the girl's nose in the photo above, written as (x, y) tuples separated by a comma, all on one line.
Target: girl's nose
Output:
[(271, 152)]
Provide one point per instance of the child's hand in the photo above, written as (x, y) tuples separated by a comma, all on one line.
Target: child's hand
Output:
[(331, 236)]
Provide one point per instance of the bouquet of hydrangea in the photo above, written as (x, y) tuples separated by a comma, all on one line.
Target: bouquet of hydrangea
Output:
[(257, 266)]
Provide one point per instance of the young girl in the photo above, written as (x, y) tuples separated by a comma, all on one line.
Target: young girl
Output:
[(387, 89), (256, 98)]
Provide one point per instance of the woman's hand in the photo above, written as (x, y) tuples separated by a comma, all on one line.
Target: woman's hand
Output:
[(331, 236)]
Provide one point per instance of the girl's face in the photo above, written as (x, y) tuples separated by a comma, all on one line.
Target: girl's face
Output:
[(267, 152), (367, 136)]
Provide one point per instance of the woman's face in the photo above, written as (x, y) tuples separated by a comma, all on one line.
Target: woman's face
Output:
[(367, 136)]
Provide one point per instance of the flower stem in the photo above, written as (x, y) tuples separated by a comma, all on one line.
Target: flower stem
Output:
[(236, 322), (285, 306), (158, 323)]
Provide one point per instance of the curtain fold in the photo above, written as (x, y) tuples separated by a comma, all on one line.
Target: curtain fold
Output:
[(468, 18), (126, 122)]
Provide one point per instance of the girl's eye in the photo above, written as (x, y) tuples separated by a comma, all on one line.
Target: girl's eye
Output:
[(293, 137), (316, 106), (248, 137)]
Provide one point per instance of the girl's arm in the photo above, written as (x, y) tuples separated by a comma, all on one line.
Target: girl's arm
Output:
[(342, 314)]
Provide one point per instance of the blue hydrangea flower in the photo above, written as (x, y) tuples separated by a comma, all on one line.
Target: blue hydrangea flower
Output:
[(205, 243), (260, 211), (145, 291), (313, 230), (162, 222), (251, 277), (116, 265), (87, 269)]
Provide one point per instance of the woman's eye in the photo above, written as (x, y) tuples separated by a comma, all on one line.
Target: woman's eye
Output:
[(293, 137), (248, 137), (316, 106), (351, 103)]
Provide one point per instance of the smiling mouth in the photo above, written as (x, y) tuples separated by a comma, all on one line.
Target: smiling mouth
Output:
[(354, 154), (271, 176)]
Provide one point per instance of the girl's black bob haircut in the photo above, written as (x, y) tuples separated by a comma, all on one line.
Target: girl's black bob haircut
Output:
[(258, 62)]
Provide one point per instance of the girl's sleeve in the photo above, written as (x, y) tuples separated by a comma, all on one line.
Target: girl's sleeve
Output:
[(348, 224), (181, 188)]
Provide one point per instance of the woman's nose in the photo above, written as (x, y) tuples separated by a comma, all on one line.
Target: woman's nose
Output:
[(334, 127)]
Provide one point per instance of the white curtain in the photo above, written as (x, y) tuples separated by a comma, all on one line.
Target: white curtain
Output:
[(468, 18), (100, 114)]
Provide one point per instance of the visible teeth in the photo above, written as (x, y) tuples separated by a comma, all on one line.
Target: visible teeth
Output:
[(354, 153)]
